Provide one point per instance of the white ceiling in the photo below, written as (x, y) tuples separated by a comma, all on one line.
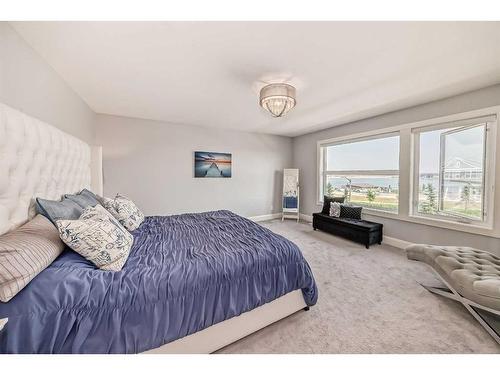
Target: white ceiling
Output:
[(210, 73)]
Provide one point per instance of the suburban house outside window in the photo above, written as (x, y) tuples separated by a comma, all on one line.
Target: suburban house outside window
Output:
[(451, 172), (365, 171)]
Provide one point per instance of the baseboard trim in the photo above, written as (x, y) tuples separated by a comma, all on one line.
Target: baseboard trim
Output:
[(396, 242), (391, 241), (307, 218), (265, 217), (303, 217)]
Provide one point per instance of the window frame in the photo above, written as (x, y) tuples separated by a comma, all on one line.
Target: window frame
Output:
[(322, 150), (406, 171), (488, 172)]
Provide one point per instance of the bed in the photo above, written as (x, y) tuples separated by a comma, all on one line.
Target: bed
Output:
[(192, 283)]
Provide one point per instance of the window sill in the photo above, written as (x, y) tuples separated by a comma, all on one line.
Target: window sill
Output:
[(454, 224), (388, 214), (374, 212), (484, 230)]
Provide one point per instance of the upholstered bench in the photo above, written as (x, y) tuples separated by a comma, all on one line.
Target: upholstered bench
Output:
[(471, 276), (362, 231)]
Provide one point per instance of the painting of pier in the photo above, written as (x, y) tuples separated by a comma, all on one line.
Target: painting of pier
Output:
[(212, 164)]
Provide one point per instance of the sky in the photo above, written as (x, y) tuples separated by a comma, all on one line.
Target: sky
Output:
[(468, 145), (380, 153), (383, 153)]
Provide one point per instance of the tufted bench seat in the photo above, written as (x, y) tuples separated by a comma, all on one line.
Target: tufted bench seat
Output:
[(475, 274), (472, 275)]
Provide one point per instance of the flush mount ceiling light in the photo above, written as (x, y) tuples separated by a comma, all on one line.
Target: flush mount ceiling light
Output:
[(277, 98)]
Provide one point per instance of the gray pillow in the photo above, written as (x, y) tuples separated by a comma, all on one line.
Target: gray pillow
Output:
[(84, 199), (55, 210)]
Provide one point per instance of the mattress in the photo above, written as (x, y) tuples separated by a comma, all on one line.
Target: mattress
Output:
[(185, 273)]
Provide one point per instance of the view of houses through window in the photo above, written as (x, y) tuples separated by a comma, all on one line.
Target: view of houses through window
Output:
[(451, 172)]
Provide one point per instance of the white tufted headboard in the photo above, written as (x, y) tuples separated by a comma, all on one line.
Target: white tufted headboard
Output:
[(39, 160)]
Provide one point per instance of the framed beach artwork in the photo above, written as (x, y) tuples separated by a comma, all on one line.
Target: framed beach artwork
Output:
[(212, 164)]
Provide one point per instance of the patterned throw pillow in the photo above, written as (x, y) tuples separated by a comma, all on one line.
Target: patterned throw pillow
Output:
[(98, 237), (326, 203), (125, 211), (335, 209), (350, 212)]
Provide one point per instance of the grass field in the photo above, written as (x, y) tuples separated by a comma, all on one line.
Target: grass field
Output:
[(473, 209), (389, 202), (457, 207), (385, 202)]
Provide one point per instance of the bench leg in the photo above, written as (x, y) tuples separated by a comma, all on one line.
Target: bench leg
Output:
[(448, 292)]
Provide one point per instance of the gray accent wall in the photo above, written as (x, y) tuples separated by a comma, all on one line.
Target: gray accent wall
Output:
[(305, 158), (29, 84), (152, 162)]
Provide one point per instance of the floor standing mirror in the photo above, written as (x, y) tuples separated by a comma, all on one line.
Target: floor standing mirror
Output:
[(290, 194)]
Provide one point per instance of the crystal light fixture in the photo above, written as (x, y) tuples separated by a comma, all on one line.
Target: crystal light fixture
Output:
[(277, 98)]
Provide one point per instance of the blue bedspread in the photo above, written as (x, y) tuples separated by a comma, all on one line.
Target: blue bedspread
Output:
[(184, 273)]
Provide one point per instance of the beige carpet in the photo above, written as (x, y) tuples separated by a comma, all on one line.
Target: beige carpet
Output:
[(369, 302)]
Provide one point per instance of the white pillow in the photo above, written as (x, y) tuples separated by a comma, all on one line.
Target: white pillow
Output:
[(125, 211), (98, 237), (335, 209)]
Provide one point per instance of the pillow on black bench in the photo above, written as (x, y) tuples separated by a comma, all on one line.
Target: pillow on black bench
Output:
[(326, 203), (350, 212)]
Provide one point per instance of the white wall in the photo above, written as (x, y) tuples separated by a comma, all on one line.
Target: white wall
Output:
[(304, 157), (30, 85), (152, 162)]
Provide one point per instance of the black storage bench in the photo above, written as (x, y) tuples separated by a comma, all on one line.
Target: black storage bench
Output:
[(361, 231)]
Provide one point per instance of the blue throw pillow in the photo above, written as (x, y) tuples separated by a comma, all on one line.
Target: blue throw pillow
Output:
[(350, 212), (84, 199), (55, 210)]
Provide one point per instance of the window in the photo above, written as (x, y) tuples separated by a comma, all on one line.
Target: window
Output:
[(438, 172), (451, 172), (365, 171)]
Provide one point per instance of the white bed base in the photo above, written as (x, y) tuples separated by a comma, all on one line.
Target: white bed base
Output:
[(224, 333), (39, 160)]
